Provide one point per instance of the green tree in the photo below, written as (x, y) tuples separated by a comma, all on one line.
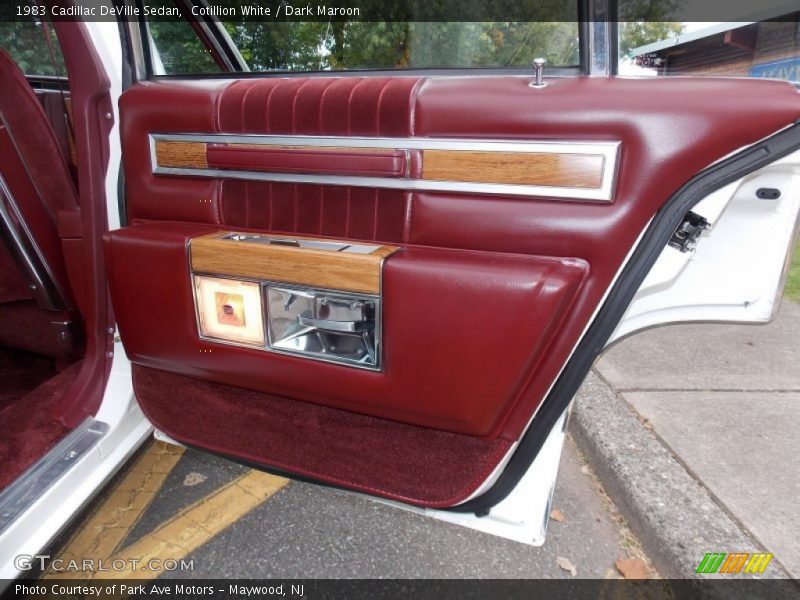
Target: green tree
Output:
[(25, 41), (179, 48), (639, 33), (517, 44), (270, 46), (402, 45)]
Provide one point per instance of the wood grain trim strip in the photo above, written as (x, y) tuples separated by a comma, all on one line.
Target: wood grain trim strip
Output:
[(519, 168), (181, 155), (301, 266)]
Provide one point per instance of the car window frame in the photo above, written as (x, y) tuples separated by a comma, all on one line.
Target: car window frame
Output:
[(597, 31)]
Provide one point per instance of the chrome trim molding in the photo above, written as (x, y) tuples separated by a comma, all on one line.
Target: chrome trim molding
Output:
[(389, 143), (600, 49), (33, 483), (137, 58), (376, 364), (604, 193), (601, 32), (267, 346)]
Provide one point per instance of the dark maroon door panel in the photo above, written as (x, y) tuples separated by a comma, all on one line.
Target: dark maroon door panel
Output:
[(463, 332), (489, 293)]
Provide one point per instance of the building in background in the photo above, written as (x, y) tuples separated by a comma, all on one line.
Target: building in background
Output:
[(768, 49)]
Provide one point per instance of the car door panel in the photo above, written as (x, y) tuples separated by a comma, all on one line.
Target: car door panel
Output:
[(486, 297), (445, 315)]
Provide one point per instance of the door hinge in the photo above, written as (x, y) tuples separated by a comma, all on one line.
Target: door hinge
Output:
[(685, 236)]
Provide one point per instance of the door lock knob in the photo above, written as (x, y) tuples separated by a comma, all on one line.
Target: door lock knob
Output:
[(538, 73)]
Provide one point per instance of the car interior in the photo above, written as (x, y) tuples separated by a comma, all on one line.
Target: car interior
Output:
[(49, 354), (370, 281), (41, 332)]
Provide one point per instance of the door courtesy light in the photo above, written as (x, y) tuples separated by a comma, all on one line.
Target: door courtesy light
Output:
[(229, 310)]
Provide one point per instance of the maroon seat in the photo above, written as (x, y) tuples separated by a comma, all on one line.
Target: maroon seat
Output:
[(38, 209)]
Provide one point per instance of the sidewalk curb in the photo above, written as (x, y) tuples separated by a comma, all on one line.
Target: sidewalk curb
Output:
[(673, 515)]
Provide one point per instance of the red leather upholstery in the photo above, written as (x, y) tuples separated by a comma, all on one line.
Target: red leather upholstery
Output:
[(462, 331), (358, 213), (378, 163), (379, 106), (54, 105), (32, 162), (34, 169)]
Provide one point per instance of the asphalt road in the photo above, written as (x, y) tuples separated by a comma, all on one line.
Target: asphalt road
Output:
[(214, 513)]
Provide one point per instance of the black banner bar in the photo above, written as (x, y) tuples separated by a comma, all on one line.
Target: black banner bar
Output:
[(734, 588), (396, 10)]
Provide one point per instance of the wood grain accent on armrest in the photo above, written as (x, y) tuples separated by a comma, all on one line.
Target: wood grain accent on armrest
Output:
[(311, 267)]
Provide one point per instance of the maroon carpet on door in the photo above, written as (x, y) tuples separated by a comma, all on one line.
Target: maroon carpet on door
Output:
[(29, 430), (394, 460)]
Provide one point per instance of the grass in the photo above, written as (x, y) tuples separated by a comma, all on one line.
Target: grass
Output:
[(792, 290)]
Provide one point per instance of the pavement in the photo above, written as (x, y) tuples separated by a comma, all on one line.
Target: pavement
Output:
[(321, 532), (233, 522), (694, 432)]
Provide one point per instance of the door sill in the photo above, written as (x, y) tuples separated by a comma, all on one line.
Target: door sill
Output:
[(33, 483)]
